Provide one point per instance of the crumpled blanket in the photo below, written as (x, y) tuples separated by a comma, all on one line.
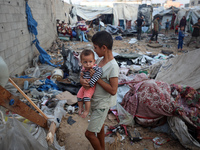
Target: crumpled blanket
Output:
[(187, 103), (148, 100)]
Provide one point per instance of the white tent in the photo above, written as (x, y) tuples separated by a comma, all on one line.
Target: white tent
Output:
[(182, 12), (90, 13), (125, 12), (192, 17), (120, 11)]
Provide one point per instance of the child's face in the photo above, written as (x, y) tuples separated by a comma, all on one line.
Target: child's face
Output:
[(98, 50), (88, 61), (182, 28)]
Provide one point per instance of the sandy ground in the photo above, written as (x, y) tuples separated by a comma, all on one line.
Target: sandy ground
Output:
[(72, 136)]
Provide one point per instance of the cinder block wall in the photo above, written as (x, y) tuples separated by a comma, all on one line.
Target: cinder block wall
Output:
[(15, 40)]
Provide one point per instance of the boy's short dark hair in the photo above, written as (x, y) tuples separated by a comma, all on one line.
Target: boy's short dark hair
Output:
[(86, 52), (103, 38)]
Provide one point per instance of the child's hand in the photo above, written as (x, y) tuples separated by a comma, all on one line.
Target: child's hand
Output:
[(92, 71), (81, 74), (85, 83)]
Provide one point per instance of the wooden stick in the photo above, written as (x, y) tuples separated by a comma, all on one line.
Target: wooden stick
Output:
[(32, 103), (50, 135)]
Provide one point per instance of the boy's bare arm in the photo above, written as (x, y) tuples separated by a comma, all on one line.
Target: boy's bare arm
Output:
[(110, 88)]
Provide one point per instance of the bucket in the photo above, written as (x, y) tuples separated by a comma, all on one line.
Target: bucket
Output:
[(57, 74)]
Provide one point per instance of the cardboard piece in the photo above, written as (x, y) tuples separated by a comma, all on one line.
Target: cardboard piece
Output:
[(71, 99)]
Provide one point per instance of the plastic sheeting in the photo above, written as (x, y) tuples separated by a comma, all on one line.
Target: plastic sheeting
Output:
[(91, 13), (181, 131), (125, 12), (14, 135), (164, 20), (179, 16), (121, 91), (146, 11), (192, 17), (183, 70)]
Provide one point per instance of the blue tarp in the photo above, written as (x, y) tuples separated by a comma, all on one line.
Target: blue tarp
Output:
[(32, 27), (49, 84)]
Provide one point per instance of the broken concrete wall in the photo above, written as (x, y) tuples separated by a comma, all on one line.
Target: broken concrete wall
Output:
[(62, 10), (15, 39)]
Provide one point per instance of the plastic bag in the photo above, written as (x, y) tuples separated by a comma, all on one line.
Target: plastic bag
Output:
[(13, 135), (124, 117)]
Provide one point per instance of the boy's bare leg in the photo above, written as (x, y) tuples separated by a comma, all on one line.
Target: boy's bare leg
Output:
[(101, 137), (93, 140), (80, 106), (87, 109)]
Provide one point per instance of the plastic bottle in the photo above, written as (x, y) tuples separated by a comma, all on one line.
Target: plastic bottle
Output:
[(26, 84)]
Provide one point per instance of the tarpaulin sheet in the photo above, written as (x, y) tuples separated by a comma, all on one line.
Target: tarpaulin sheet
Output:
[(183, 69), (91, 13), (125, 12)]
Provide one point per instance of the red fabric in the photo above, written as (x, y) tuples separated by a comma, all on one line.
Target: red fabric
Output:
[(149, 99)]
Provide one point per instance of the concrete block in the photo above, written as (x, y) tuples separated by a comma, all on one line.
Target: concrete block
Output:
[(21, 39), (17, 10), (23, 18), (9, 17), (19, 47), (14, 50), (12, 59), (1, 40), (5, 36), (5, 9), (22, 53), (3, 46), (7, 26), (2, 28), (19, 25), (17, 55), (12, 34), (11, 70), (2, 54), (7, 61), (25, 37), (22, 10), (28, 44), (21, 3), (16, 17), (3, 18), (23, 60), (23, 45), (24, 25), (10, 43), (16, 41), (13, 26), (17, 33), (8, 53)]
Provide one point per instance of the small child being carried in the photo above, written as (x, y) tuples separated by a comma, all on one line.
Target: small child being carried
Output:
[(85, 95)]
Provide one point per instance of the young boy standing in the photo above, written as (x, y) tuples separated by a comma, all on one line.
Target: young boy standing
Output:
[(180, 38), (167, 26), (104, 96)]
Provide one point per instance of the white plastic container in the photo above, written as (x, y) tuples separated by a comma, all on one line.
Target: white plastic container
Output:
[(57, 74)]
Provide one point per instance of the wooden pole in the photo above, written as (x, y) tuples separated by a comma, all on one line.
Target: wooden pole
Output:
[(50, 135), (32, 103)]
